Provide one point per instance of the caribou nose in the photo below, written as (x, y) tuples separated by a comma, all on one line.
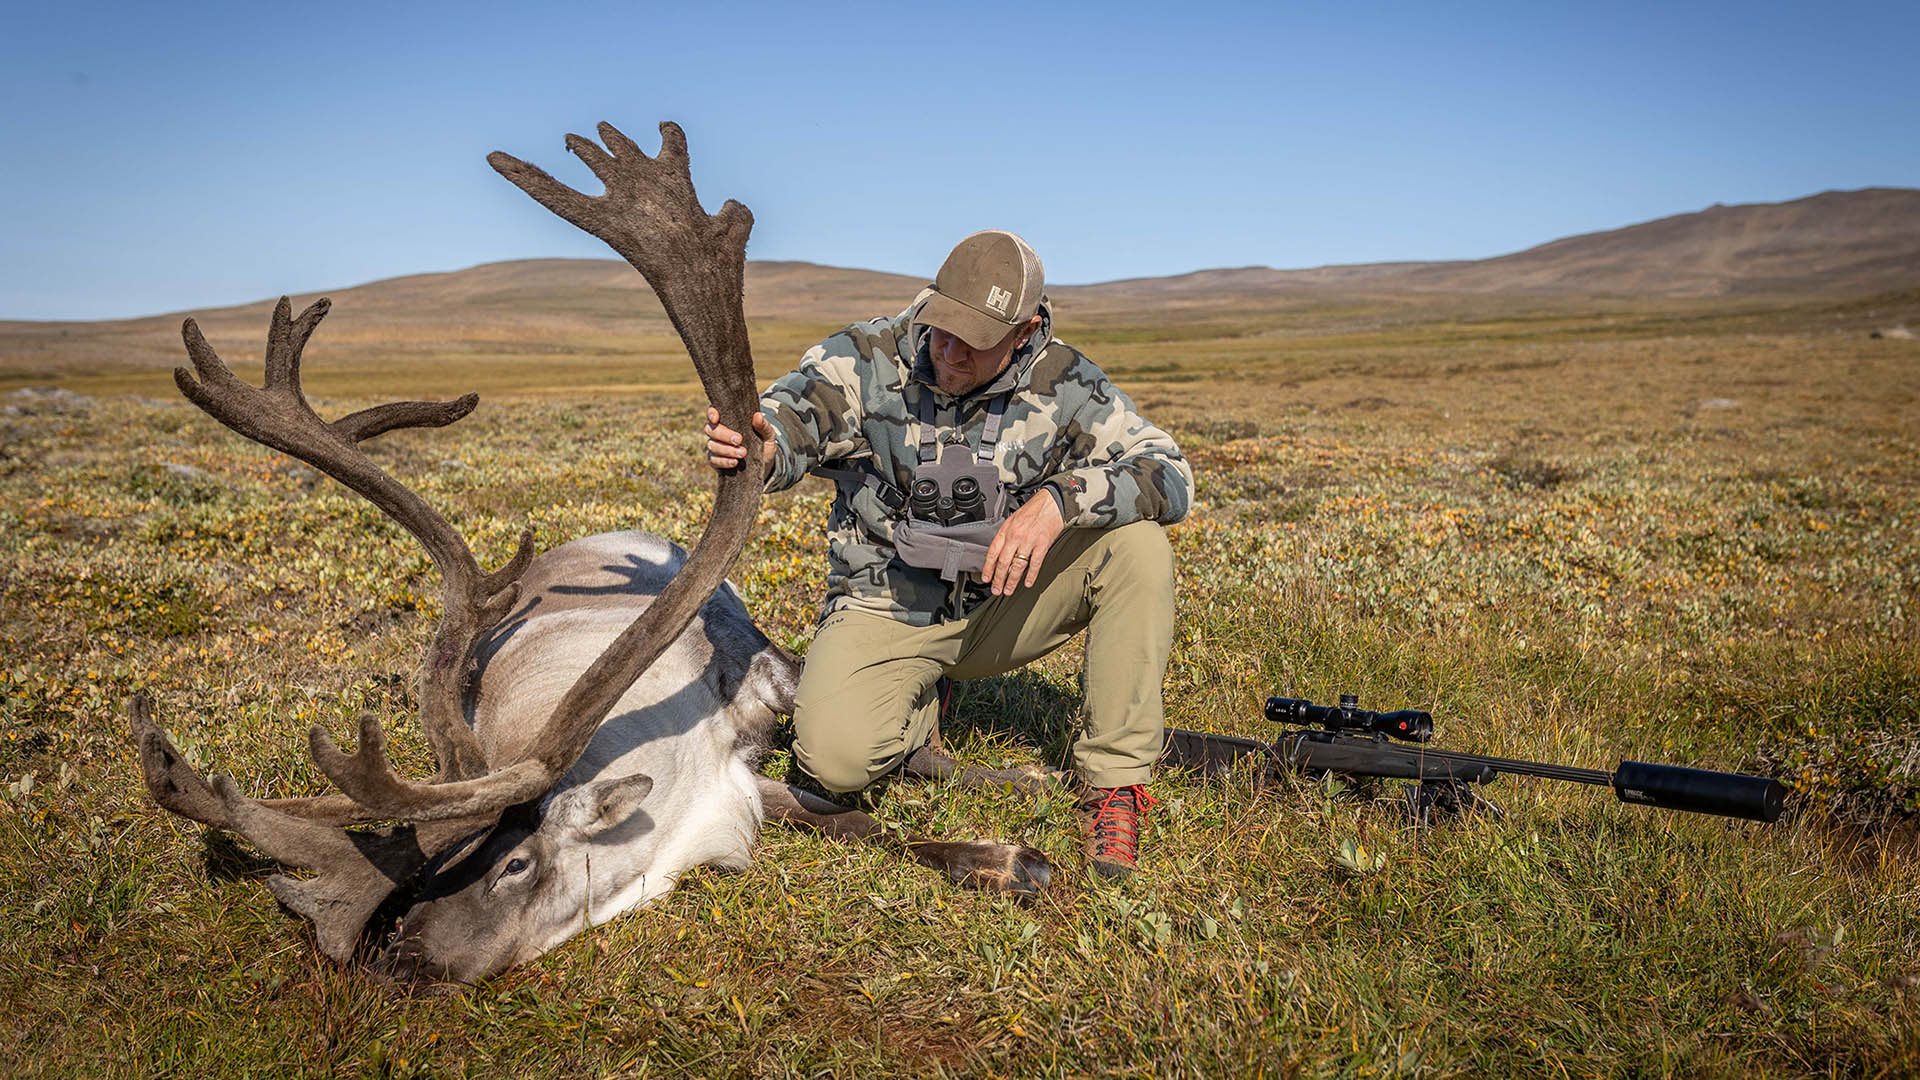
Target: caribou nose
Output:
[(405, 961), (406, 965), (400, 962)]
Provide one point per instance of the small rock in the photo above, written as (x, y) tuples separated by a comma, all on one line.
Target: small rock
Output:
[(1899, 333), (46, 401), (1718, 403), (189, 473), (453, 463)]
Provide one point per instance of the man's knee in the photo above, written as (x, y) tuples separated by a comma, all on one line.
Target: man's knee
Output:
[(825, 745), (1141, 554), (847, 737), (834, 765)]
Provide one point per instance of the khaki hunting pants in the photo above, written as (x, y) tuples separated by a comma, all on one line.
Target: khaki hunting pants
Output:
[(866, 697)]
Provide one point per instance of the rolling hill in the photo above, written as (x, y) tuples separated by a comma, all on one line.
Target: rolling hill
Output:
[(1832, 243), (1837, 243)]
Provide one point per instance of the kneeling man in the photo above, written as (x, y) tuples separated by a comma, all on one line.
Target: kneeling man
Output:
[(997, 494)]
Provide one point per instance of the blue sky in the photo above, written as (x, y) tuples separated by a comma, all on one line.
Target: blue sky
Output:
[(161, 160)]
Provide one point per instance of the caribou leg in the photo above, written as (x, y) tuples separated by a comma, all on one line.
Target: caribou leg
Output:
[(975, 864), (932, 762)]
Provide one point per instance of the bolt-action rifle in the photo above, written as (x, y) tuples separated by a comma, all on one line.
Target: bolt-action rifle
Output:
[(1352, 741)]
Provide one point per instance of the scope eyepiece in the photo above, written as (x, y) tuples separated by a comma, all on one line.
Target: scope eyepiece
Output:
[(1286, 710)]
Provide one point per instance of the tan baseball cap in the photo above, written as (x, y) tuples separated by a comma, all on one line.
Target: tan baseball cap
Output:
[(990, 283)]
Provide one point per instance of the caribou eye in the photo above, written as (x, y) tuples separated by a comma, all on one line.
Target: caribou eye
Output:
[(515, 866)]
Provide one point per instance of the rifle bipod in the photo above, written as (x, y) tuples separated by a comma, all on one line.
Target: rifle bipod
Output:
[(1430, 800)]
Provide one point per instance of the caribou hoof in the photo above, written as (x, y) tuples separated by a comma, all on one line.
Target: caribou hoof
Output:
[(1020, 872), (1034, 781)]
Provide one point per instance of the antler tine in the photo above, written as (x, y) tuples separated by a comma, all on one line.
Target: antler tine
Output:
[(369, 778), (283, 357), (356, 871), (177, 787), (278, 415), (367, 423)]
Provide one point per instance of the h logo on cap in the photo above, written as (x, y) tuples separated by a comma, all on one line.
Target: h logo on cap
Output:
[(998, 298)]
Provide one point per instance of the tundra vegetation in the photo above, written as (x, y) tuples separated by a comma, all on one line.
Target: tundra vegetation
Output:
[(1575, 531)]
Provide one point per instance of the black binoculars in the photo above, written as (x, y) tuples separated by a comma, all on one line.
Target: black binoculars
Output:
[(967, 504)]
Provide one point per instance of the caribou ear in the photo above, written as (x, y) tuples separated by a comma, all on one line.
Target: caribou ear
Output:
[(604, 805)]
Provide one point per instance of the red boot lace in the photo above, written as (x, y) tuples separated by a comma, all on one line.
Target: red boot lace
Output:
[(1119, 818)]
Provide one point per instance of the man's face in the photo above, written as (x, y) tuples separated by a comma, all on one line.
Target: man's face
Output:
[(959, 368)]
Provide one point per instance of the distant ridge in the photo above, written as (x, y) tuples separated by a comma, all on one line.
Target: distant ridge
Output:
[(1833, 244)]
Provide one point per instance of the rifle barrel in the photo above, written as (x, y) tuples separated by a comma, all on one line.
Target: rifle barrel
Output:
[(1515, 767)]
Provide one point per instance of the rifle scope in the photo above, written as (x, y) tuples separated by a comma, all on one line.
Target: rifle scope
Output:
[(1410, 725)]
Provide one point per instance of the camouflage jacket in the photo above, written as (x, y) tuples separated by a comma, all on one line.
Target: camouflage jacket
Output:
[(852, 404)]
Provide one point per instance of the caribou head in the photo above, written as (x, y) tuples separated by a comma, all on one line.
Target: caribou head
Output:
[(518, 889)]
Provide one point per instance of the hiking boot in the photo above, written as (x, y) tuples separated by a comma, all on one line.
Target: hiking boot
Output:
[(1115, 819)]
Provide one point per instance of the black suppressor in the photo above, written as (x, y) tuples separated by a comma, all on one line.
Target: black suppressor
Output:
[(1675, 787)]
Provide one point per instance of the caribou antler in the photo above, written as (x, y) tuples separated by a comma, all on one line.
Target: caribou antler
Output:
[(278, 416), (696, 263), (357, 870)]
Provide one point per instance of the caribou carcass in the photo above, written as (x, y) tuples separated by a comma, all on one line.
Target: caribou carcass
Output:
[(595, 712)]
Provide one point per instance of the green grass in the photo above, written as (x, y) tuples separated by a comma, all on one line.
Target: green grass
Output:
[(1557, 540)]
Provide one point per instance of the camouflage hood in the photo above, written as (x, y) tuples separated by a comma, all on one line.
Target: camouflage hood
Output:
[(853, 402)]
